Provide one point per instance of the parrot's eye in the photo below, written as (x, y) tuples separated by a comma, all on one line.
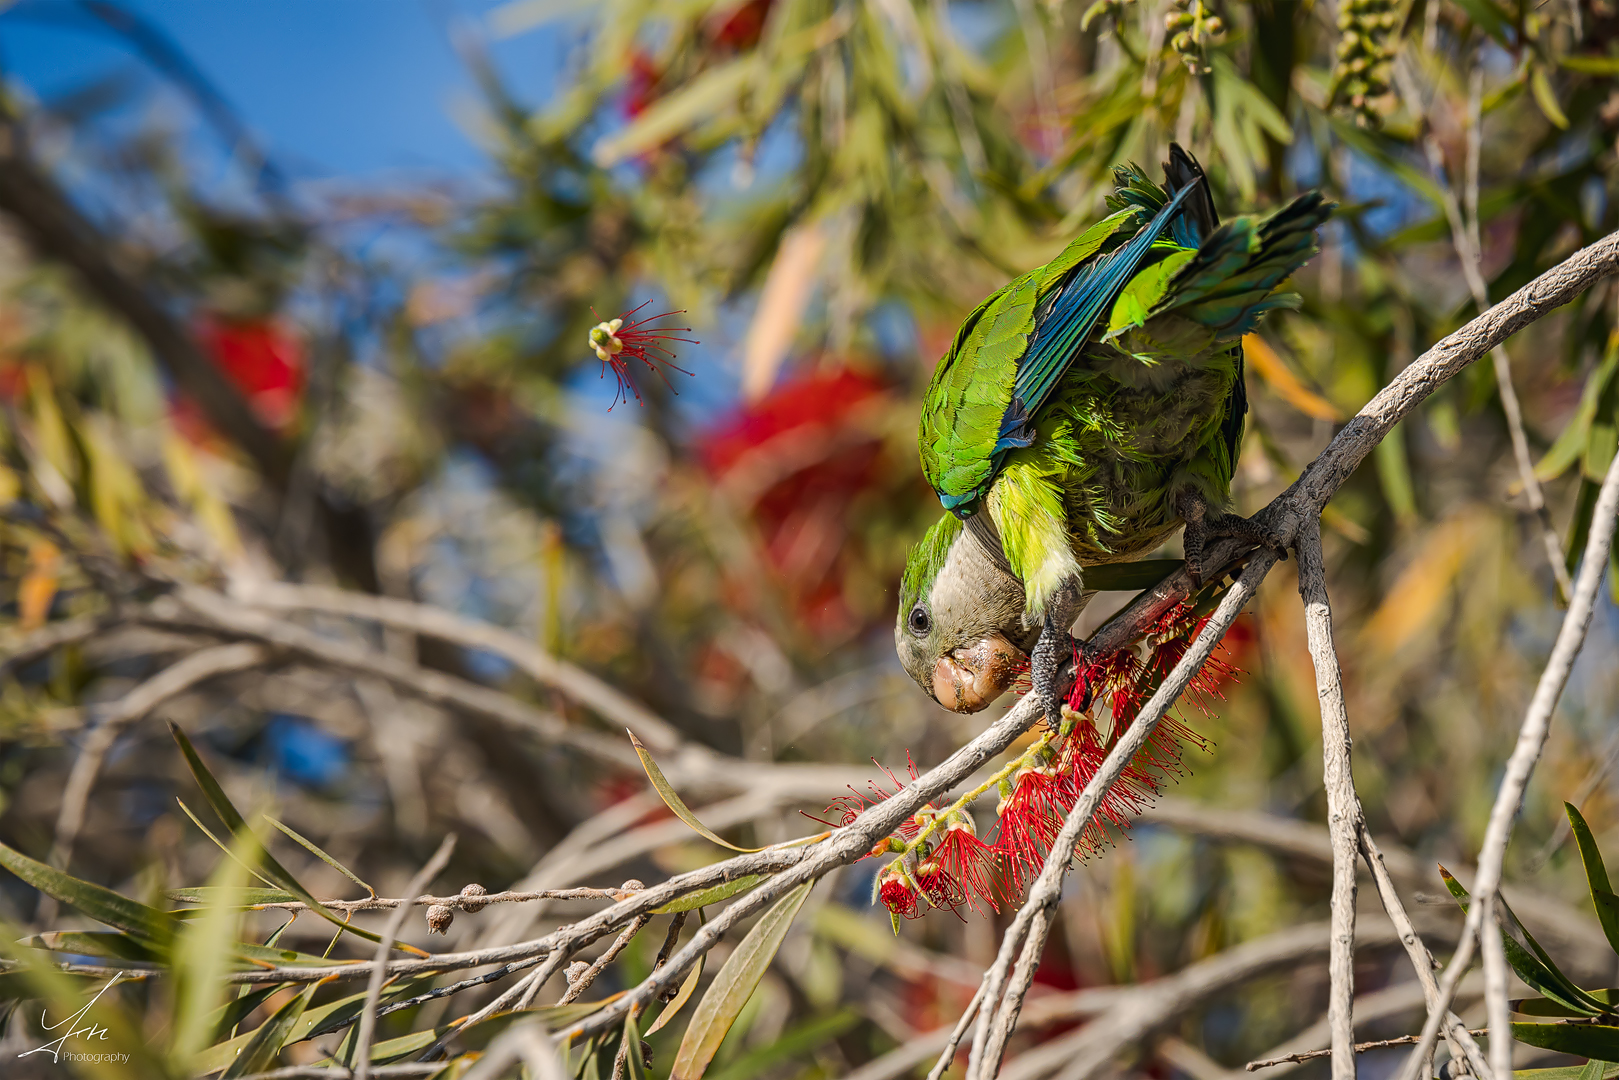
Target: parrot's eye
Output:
[(918, 620)]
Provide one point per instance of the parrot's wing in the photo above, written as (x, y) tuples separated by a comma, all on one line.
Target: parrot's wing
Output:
[(1066, 319), (973, 384)]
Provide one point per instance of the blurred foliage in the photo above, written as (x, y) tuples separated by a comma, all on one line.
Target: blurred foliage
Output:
[(826, 187)]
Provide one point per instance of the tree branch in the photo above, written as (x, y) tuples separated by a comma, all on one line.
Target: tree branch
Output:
[(1345, 821), (1521, 765)]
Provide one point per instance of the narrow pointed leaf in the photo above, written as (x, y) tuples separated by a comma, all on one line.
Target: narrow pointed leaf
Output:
[(206, 895), (237, 1009), (1586, 1040), (118, 946), (633, 1066), (1565, 1072), (314, 849), (1596, 876), (221, 804), (711, 895), (666, 792), (150, 925), (683, 995), (261, 1051), (737, 979), (1537, 969)]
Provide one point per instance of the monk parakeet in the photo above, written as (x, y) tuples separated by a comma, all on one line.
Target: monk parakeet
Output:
[(1083, 413)]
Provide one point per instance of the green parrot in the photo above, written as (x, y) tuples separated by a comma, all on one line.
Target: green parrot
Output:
[(1082, 414)]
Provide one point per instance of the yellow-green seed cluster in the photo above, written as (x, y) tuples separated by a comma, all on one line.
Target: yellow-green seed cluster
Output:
[(1192, 26), (1365, 57)]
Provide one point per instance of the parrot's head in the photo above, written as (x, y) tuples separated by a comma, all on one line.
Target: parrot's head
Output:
[(960, 631)]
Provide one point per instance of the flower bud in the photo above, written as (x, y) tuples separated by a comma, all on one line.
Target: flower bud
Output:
[(633, 885), (471, 905), (576, 971), (439, 919)]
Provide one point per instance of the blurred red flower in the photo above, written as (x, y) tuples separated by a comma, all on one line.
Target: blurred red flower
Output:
[(794, 462)]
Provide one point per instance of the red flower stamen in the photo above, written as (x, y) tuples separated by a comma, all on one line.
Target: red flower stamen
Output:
[(618, 340)]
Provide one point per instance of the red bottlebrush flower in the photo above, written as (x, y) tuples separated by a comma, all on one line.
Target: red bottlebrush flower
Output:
[(1031, 817), (616, 341), (799, 461), (264, 361), (741, 26), (848, 807), (642, 88), (963, 869), (898, 895)]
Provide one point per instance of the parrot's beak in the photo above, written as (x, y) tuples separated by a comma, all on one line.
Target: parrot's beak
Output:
[(966, 680)]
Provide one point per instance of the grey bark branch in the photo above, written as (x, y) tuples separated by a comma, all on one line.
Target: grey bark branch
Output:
[(1344, 818), (1521, 765), (379, 966), (997, 1015)]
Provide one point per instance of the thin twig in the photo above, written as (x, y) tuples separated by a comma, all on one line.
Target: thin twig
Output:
[(1157, 1005), (659, 735), (581, 984), (171, 682), (379, 966), (1390, 1001), (1359, 1048), (1344, 818), (1455, 1032), (1465, 238), (1531, 741), (384, 903)]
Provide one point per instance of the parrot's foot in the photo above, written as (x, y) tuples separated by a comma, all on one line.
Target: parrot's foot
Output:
[(1201, 527), (1054, 649)]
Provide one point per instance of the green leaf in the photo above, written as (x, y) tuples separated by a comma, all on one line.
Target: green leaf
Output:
[(116, 945), (633, 1066), (1542, 1007), (153, 927), (208, 895), (313, 849), (327, 1018), (1130, 576), (714, 90), (265, 1046), (1591, 65), (1596, 876), (1586, 1040), (687, 988), (1540, 87), (221, 804), (1570, 444), (711, 895), (1488, 18), (238, 1008), (202, 956), (1536, 968), (1592, 1070), (737, 979), (1565, 1072), (793, 1043), (673, 801)]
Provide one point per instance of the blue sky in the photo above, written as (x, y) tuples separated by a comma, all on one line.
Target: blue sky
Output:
[(333, 88)]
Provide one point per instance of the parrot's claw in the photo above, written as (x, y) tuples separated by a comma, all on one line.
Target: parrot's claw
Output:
[(1055, 647), (1201, 527)]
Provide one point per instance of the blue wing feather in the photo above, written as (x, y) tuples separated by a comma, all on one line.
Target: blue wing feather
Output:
[(1062, 330)]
